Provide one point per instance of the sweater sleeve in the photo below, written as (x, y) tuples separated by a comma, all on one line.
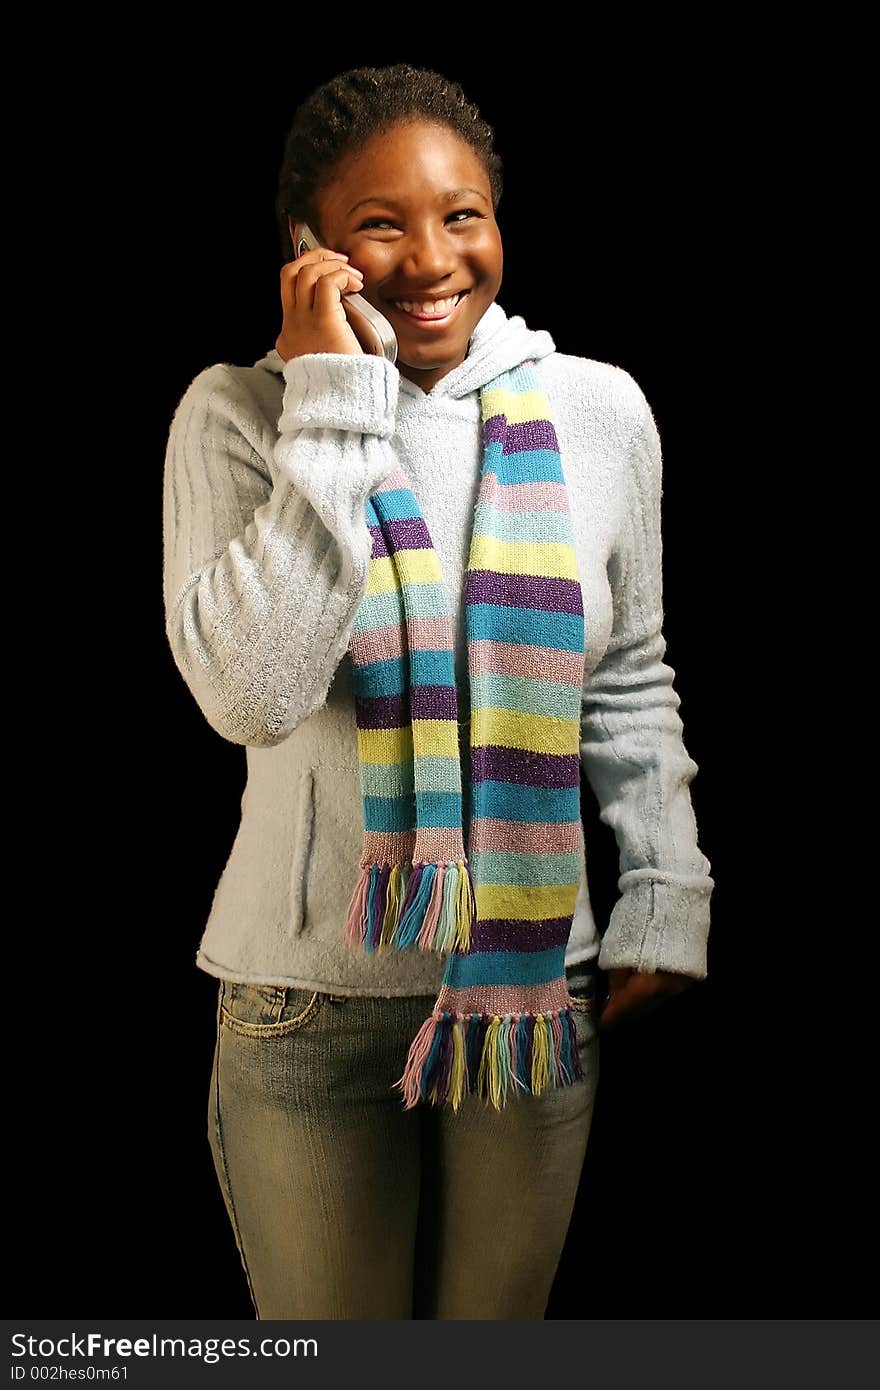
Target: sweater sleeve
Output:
[(264, 567), (633, 752)]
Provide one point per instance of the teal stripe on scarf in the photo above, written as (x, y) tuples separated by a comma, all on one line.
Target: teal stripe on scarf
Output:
[(522, 526), (515, 692), (509, 967), (502, 866)]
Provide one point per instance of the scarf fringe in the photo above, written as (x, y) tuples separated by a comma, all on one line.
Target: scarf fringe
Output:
[(455, 1055), (431, 907)]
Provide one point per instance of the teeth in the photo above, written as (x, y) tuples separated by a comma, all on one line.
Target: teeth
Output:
[(434, 308)]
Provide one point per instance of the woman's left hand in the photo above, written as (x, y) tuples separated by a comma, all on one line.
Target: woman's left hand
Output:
[(632, 993)]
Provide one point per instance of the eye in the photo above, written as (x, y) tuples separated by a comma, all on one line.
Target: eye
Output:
[(383, 222)]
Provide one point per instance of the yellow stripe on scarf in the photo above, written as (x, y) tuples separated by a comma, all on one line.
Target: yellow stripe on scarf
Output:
[(533, 733), (415, 567), (384, 746), (518, 407), (523, 902), (434, 737), (546, 559)]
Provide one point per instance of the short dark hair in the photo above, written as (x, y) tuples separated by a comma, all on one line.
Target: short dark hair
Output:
[(345, 112)]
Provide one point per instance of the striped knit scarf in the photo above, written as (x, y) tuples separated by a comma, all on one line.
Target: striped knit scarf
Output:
[(502, 1022)]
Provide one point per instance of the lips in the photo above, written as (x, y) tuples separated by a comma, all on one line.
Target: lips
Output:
[(427, 320)]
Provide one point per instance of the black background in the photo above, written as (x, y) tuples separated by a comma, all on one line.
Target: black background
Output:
[(637, 224)]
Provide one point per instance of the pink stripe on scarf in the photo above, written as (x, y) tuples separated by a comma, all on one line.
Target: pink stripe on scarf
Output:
[(535, 663), (393, 480), (384, 643), (375, 644), (529, 837), (528, 497), (388, 847), (504, 999), (438, 843), (430, 634)]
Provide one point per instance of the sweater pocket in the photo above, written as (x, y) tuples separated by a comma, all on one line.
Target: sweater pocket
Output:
[(336, 842), (303, 837)]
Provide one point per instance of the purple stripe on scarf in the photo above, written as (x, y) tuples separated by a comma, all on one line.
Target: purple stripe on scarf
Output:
[(382, 712), (433, 702), (498, 934), (524, 591), (408, 533), (528, 769), (531, 434), (380, 549)]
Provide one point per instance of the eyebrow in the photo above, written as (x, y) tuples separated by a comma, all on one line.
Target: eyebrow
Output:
[(446, 198)]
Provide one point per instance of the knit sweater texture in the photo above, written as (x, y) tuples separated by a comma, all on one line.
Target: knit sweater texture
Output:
[(266, 552)]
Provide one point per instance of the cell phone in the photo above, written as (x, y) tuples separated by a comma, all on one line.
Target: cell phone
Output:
[(372, 329)]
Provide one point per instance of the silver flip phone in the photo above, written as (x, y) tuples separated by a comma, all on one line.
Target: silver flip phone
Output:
[(372, 329)]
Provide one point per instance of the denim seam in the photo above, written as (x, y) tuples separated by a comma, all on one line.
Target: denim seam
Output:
[(218, 1129), (273, 1030)]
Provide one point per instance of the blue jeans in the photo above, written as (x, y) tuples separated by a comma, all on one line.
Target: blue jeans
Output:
[(346, 1206)]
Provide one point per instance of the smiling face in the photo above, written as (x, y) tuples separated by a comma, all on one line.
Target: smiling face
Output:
[(412, 208)]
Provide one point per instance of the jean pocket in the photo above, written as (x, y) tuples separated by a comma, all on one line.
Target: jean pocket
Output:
[(581, 982), (268, 1011), (582, 991), (581, 1000)]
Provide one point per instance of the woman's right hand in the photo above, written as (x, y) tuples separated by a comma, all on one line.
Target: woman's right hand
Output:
[(314, 319)]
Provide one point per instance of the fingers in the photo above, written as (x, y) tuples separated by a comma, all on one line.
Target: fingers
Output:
[(314, 317), (617, 1010), (308, 283), (633, 994), (320, 287), (324, 290)]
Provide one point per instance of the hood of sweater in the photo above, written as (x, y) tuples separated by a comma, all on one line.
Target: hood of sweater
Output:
[(497, 343)]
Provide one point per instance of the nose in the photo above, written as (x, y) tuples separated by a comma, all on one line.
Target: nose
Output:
[(427, 258)]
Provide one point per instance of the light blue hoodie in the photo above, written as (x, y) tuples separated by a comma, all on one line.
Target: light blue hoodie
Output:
[(266, 553)]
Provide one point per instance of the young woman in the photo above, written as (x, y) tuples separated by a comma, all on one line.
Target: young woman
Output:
[(311, 627)]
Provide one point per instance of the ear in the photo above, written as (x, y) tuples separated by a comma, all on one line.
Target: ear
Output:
[(292, 228)]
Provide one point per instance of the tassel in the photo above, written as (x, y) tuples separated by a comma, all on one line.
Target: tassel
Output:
[(427, 934), (512, 1032), (459, 1081), (418, 895), (371, 939), (377, 906), (539, 1056), (503, 1055), (487, 1077), (392, 906), (570, 1048), (492, 1057), (445, 938), (457, 911), (473, 1044), (522, 1052), (431, 906), (554, 1059), (419, 1062), (356, 922), (445, 1059), (465, 908)]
